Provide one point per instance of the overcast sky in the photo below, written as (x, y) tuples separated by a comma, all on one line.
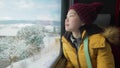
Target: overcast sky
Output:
[(30, 9)]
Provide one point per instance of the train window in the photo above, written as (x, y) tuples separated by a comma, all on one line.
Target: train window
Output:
[(29, 33)]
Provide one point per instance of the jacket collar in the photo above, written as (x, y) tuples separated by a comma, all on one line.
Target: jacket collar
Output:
[(69, 36)]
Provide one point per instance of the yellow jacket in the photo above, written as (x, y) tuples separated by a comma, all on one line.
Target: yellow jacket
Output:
[(99, 50)]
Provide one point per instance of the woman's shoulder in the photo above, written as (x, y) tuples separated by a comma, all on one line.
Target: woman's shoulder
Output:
[(97, 41), (98, 36)]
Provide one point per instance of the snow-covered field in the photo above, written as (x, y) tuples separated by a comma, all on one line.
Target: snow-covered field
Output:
[(11, 29), (44, 59)]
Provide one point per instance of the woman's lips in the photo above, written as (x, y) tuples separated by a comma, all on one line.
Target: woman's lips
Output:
[(66, 24)]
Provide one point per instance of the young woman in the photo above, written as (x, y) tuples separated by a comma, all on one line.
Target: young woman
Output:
[(78, 26)]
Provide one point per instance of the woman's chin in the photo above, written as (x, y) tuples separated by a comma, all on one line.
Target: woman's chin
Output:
[(67, 29)]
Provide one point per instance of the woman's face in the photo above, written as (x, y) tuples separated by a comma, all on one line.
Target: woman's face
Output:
[(72, 21)]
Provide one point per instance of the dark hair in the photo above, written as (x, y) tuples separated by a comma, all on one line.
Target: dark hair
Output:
[(91, 29)]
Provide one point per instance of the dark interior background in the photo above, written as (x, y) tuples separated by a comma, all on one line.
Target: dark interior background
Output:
[(108, 7)]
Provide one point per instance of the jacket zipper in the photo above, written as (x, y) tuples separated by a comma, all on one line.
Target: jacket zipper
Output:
[(77, 55), (78, 60)]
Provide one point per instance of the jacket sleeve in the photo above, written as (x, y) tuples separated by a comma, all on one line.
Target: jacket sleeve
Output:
[(68, 63), (105, 57)]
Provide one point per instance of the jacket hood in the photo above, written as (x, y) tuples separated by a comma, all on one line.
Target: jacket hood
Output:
[(112, 34)]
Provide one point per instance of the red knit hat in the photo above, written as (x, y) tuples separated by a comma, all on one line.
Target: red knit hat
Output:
[(87, 12)]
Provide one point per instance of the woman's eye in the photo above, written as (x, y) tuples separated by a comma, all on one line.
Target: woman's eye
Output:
[(71, 15)]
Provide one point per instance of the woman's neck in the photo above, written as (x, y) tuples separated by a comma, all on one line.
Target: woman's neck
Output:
[(76, 34)]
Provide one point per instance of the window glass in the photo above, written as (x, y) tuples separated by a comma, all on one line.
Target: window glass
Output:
[(27, 28)]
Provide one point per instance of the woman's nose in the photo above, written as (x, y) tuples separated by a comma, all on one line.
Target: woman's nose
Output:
[(66, 20)]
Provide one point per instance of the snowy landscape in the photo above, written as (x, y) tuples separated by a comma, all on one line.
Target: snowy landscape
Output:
[(29, 45), (29, 33)]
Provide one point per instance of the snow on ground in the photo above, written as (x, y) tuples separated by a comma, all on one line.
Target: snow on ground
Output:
[(11, 29), (44, 59), (4, 63)]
